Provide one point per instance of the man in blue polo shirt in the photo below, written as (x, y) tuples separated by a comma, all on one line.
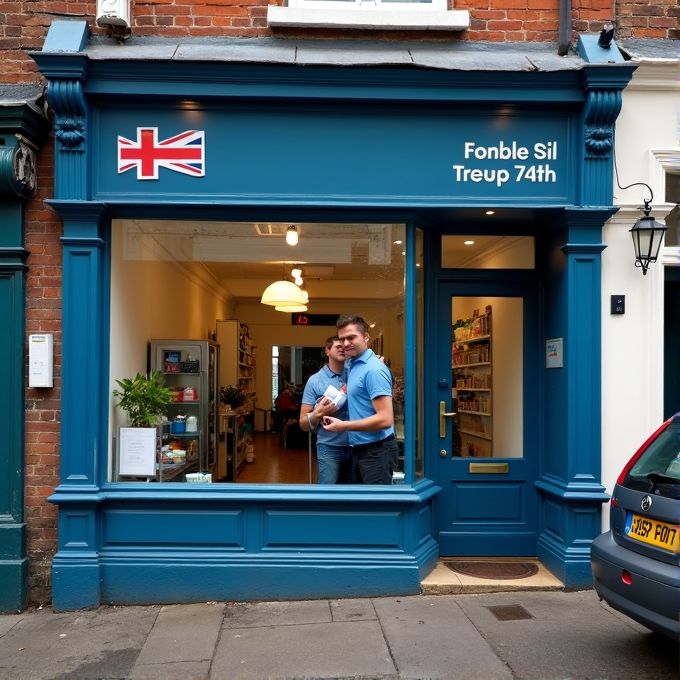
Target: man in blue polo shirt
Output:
[(371, 417), (333, 455)]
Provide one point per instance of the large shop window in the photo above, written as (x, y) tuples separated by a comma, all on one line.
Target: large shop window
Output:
[(186, 301)]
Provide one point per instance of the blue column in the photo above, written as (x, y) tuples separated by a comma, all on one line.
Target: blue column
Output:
[(571, 492), (75, 569)]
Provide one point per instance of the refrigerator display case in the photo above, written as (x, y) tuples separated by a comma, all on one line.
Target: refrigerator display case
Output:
[(188, 442)]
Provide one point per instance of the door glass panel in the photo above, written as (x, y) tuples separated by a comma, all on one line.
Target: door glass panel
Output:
[(487, 377), (487, 252), (420, 371)]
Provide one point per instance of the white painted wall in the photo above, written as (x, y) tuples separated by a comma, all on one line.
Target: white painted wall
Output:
[(154, 299), (632, 344)]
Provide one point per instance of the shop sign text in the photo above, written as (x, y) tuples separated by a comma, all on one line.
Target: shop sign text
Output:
[(477, 157)]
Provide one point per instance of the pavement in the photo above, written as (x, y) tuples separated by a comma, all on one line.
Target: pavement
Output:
[(537, 633)]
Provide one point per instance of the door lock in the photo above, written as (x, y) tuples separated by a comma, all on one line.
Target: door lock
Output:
[(442, 418), (442, 453)]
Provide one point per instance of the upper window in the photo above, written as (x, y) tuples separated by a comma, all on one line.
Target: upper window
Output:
[(421, 15), (373, 5)]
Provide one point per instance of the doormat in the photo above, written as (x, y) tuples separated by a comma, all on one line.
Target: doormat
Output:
[(493, 570)]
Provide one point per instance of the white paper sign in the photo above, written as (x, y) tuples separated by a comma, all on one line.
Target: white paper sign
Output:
[(553, 353), (137, 451)]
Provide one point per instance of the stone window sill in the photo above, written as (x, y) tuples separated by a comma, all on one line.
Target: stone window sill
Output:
[(382, 19)]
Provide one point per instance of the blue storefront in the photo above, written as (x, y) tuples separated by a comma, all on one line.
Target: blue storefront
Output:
[(297, 132)]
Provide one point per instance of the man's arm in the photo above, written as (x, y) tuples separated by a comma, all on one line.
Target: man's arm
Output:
[(323, 407), (380, 420)]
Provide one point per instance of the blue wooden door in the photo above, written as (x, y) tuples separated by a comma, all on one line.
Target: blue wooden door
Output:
[(488, 418)]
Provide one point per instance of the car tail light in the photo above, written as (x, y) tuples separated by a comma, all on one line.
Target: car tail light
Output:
[(626, 577), (640, 451), (614, 503)]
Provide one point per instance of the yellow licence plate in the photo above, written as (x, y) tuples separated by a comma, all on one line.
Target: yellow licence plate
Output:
[(652, 531)]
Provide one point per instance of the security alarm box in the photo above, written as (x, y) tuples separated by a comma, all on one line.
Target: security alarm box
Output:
[(40, 360)]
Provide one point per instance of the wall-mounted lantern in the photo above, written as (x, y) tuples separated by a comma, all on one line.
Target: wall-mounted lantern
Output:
[(647, 236)]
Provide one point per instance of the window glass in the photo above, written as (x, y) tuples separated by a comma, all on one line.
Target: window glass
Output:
[(180, 289), (487, 252), (672, 196), (487, 341), (420, 326)]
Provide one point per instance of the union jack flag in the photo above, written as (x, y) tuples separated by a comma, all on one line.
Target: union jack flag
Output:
[(183, 153)]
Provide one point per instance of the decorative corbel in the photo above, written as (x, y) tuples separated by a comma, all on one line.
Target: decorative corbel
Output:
[(600, 112), (18, 168), (67, 101)]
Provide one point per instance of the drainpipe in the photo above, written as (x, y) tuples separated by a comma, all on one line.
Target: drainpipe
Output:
[(564, 30)]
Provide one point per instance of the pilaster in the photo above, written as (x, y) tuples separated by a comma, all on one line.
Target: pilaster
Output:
[(75, 570), (570, 486)]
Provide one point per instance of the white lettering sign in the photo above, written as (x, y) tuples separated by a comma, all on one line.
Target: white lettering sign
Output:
[(507, 151)]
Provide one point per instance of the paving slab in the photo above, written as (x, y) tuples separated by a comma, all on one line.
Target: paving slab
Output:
[(180, 670), (244, 615), (317, 650), (431, 637), (353, 610), (8, 622), (96, 644), (571, 635), (183, 633)]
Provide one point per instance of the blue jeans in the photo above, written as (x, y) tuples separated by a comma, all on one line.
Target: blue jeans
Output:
[(334, 464)]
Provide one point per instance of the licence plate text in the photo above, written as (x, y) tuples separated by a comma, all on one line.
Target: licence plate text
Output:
[(653, 532)]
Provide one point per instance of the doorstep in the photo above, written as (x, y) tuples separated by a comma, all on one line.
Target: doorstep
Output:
[(443, 581)]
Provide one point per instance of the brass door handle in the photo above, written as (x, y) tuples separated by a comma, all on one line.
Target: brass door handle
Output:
[(442, 418)]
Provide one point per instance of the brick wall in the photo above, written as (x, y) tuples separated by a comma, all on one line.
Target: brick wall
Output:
[(43, 315)]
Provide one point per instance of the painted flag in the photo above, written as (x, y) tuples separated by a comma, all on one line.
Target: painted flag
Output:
[(183, 153)]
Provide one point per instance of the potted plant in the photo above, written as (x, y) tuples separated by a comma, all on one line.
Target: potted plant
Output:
[(231, 396), (144, 399)]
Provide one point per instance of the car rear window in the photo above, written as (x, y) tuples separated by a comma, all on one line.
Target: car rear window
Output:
[(658, 468)]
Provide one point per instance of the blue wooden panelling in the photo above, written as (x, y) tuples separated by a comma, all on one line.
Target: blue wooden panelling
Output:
[(472, 502), (172, 527)]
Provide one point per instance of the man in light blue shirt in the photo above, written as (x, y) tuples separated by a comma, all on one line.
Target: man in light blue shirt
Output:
[(333, 455), (371, 417)]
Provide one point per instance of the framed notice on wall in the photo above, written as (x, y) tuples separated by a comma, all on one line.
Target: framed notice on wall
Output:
[(137, 451), (553, 353)]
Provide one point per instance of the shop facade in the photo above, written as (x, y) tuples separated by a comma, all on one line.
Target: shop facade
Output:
[(432, 147)]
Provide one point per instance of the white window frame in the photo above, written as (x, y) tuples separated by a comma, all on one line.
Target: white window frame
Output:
[(373, 5)]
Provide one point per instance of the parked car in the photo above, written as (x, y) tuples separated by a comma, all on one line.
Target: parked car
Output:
[(636, 563)]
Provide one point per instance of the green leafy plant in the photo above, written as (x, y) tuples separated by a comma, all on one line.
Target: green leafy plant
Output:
[(232, 395), (144, 399)]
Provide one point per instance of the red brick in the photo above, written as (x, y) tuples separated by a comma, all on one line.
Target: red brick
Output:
[(662, 22), (504, 25)]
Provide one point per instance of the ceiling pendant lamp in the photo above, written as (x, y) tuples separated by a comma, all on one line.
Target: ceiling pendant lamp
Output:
[(291, 309), (283, 294), (292, 235)]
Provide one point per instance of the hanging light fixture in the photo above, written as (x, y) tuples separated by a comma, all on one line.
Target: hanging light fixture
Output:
[(295, 273), (292, 309), (291, 235), (647, 236), (283, 293)]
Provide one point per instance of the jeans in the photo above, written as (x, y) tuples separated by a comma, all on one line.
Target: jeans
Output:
[(375, 464), (334, 464)]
